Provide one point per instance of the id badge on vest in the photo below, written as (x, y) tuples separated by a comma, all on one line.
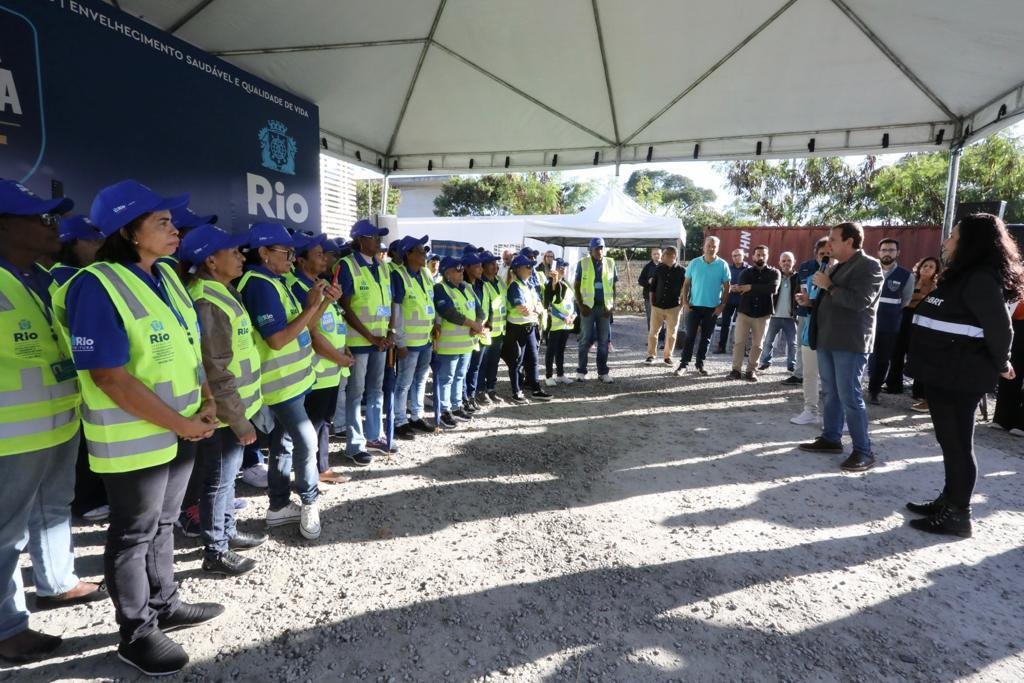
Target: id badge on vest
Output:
[(304, 339), (383, 311), (429, 310), (63, 371)]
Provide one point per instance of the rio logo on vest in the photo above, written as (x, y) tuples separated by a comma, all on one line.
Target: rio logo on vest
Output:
[(26, 333), (158, 334)]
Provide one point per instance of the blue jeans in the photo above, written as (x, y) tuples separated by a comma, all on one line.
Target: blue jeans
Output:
[(451, 380), (338, 421), (411, 384), (292, 439), (219, 457), (367, 377), (841, 373), (787, 328), (35, 510), (594, 327), (473, 372), (489, 364)]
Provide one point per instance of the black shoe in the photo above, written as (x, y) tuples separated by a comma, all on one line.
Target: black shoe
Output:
[(541, 395), (461, 415), (680, 370), (721, 350), (467, 407), (405, 432), (858, 462), (928, 509), (475, 404), (495, 399), (702, 372), (873, 399), (893, 390), (447, 421), (154, 655), (244, 541), (751, 376), (649, 360), (820, 445), (667, 361), (421, 425), (228, 563), (360, 459), (519, 399), (735, 374), (949, 520), (190, 614), (763, 367), (482, 399), (793, 380), (47, 602), (28, 646)]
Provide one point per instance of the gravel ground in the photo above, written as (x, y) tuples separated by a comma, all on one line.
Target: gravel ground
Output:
[(655, 529)]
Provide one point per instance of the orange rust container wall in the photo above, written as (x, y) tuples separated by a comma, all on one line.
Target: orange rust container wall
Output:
[(916, 241)]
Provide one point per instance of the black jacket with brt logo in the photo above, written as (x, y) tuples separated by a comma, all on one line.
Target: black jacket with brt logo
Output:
[(961, 335)]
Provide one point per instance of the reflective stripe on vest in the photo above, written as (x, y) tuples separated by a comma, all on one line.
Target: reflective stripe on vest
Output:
[(959, 329), (587, 275), (498, 313), (417, 308), (371, 298), (36, 411), (567, 306), (163, 355), (286, 372), (532, 303), (455, 339), (484, 305), (333, 328), (890, 300), (245, 359)]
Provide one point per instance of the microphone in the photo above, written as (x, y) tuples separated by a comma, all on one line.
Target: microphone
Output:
[(823, 265)]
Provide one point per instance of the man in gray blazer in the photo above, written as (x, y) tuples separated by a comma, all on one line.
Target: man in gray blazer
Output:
[(843, 333)]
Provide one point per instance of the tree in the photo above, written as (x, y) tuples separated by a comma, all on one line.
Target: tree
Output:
[(816, 191), (511, 194), (368, 198)]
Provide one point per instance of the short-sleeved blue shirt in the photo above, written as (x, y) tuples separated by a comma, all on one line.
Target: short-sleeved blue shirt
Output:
[(348, 288), (706, 280), (263, 303), (442, 301)]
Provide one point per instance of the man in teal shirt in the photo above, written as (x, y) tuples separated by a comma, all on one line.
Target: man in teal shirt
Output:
[(705, 291)]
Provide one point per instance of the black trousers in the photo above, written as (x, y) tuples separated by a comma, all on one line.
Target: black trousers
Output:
[(519, 351), (894, 380), (953, 418), (138, 560), (89, 492), (703, 318), (1010, 395), (727, 316), (554, 354), (881, 358), (320, 406)]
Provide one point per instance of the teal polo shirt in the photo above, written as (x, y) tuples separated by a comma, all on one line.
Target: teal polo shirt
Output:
[(706, 280)]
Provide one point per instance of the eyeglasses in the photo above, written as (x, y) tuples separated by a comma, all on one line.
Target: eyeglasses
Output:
[(290, 253), (49, 219)]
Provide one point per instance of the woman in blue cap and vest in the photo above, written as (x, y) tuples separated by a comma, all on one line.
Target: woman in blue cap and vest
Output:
[(413, 313), (232, 366), (520, 346), (473, 276), (287, 371), (496, 320), (134, 334), (460, 320), (559, 300)]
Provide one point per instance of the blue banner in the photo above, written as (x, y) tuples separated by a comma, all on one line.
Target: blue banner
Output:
[(89, 95)]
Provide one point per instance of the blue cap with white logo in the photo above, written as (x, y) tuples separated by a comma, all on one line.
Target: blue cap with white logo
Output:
[(118, 205), (305, 242), (521, 260), (596, 242), (185, 218), (471, 259), (77, 228), (364, 228), (408, 243), (451, 262), (207, 240), (18, 200), (269, 235)]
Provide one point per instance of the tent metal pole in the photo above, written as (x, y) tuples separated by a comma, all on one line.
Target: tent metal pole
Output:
[(384, 196), (952, 180)]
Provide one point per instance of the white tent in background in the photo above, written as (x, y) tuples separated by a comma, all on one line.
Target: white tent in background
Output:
[(615, 217)]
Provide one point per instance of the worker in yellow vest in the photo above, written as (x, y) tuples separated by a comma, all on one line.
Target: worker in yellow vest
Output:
[(232, 365), (473, 278), (559, 300), (134, 334), (476, 393), (596, 277), (413, 313), (519, 349), (366, 298), (460, 321), (39, 428), (496, 290), (433, 266)]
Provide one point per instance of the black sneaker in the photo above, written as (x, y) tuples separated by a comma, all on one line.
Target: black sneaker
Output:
[(541, 395), (763, 367), (447, 421), (154, 654), (702, 372), (495, 399), (243, 541), (190, 614), (680, 369), (519, 399), (820, 445), (482, 399), (735, 374), (422, 425), (461, 415), (928, 509), (360, 459), (751, 376), (792, 380), (405, 432), (949, 521), (667, 361), (228, 563), (858, 462), (873, 399), (468, 407), (649, 360)]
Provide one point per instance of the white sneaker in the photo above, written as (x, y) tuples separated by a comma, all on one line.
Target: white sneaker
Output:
[(289, 514), (550, 381), (309, 524), (580, 377), (607, 379), (805, 418), (255, 476), (564, 380), (97, 514), (1017, 432)]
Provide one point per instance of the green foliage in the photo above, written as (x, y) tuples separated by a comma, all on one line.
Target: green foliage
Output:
[(511, 194), (368, 198)]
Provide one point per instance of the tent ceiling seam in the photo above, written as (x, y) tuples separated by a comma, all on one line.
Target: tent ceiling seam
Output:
[(525, 95), (325, 47), (607, 75), (415, 76), (717, 65), (892, 57), (189, 16)]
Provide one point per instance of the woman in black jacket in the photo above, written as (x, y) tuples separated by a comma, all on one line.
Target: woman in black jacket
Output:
[(959, 348)]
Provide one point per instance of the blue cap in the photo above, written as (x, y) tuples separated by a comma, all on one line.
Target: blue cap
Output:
[(77, 228), (471, 259), (470, 249), (596, 242), (520, 260), (450, 262), (488, 257), (408, 243), (434, 257), (529, 253), (115, 206), (364, 228), (561, 263), (185, 218), (304, 242), (206, 240), (268, 235), (334, 246), (18, 200)]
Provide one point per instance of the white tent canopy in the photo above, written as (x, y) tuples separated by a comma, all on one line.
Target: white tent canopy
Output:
[(613, 216), (453, 85)]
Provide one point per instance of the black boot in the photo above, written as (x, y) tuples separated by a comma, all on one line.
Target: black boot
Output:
[(928, 509), (154, 654), (949, 520)]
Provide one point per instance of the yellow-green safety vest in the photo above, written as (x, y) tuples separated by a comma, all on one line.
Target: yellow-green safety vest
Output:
[(587, 289), (456, 340), (371, 298), (333, 328), (567, 306), (532, 303), (164, 355), (245, 359), (483, 303), (287, 372), (496, 291), (39, 393), (417, 308)]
